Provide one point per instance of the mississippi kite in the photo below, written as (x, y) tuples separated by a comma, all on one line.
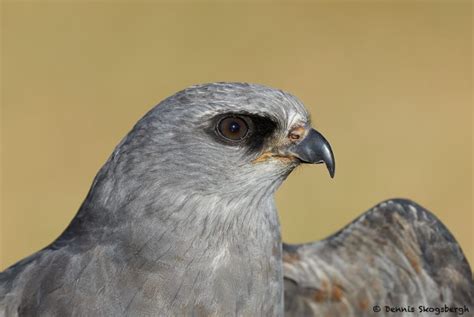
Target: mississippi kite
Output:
[(181, 221)]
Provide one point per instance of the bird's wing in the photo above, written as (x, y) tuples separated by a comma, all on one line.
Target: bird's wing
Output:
[(395, 255)]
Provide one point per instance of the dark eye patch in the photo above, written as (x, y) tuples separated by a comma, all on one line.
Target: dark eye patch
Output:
[(264, 128), (260, 129)]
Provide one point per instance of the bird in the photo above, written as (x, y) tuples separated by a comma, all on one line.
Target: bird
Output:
[(181, 219), (396, 259)]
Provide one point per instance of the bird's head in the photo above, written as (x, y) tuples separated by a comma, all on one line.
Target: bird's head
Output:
[(222, 138)]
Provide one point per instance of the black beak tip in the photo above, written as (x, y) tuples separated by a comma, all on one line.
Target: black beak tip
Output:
[(330, 164), (332, 170)]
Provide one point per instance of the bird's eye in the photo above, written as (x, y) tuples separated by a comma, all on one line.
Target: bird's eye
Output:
[(233, 128)]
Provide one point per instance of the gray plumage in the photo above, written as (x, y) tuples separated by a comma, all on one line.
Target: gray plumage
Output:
[(395, 255), (177, 222), (181, 221)]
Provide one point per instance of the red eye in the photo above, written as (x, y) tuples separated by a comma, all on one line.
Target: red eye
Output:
[(233, 128)]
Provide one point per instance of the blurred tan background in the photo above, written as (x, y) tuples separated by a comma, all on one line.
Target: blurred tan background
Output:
[(388, 83)]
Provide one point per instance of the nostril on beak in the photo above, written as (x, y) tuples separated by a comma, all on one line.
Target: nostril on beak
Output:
[(296, 134)]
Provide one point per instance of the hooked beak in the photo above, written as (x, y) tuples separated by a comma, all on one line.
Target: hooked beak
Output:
[(314, 149)]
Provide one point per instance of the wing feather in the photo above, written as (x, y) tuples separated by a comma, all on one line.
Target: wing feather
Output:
[(397, 254)]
